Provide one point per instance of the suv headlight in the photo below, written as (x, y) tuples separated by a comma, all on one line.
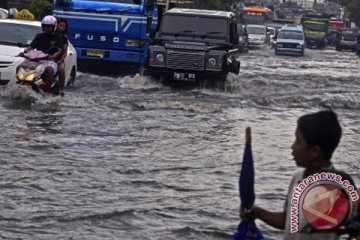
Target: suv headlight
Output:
[(299, 46), (212, 62), (159, 57), (279, 45)]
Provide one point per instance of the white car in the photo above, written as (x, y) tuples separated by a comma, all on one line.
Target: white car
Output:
[(17, 34), (258, 35), (3, 13)]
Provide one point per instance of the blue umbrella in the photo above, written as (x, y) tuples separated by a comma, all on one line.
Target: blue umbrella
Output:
[(247, 229)]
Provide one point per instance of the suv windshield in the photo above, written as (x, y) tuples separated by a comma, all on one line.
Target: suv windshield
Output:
[(261, 30), (12, 34), (195, 26), (291, 35), (349, 33)]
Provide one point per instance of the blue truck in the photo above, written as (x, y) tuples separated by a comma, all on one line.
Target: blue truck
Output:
[(110, 30)]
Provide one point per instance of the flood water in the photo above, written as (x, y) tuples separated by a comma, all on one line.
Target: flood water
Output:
[(129, 158)]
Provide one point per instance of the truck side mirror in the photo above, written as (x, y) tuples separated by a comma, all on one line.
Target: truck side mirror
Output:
[(149, 5), (152, 33)]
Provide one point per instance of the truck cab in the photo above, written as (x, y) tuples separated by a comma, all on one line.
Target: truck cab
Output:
[(194, 44), (315, 29)]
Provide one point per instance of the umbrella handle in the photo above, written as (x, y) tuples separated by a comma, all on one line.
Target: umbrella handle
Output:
[(248, 135)]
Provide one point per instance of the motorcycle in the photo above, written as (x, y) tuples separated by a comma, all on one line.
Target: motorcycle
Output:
[(31, 71)]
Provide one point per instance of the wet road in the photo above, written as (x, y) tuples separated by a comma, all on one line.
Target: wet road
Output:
[(128, 158)]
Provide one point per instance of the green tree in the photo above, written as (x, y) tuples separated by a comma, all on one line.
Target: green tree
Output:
[(354, 8), (37, 6), (213, 4)]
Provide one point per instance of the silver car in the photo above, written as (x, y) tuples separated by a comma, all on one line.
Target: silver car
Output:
[(258, 35)]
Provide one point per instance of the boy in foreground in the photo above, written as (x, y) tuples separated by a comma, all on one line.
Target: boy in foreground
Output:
[(315, 204)]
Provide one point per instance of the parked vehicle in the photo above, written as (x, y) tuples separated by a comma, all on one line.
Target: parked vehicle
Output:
[(110, 30), (243, 39), (194, 44), (258, 35), (347, 39), (290, 40), (15, 35)]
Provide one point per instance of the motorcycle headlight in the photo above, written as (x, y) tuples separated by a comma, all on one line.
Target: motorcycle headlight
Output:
[(212, 62), (160, 57), (25, 75), (21, 74), (30, 77), (134, 43)]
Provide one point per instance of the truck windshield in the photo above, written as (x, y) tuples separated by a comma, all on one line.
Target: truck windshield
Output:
[(290, 35), (349, 32), (314, 26), (62, 3), (194, 26)]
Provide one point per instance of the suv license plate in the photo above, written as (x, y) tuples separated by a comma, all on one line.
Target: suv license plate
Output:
[(184, 76)]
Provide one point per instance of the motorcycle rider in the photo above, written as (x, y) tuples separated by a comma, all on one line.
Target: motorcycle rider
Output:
[(61, 31), (48, 42)]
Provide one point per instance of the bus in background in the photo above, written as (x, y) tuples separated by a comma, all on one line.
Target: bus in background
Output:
[(109, 30), (256, 15)]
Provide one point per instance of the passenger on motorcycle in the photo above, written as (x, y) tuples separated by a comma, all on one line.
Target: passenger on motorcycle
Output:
[(61, 31), (48, 42)]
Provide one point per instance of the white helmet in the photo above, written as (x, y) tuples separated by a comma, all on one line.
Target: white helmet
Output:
[(49, 20), (12, 12)]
